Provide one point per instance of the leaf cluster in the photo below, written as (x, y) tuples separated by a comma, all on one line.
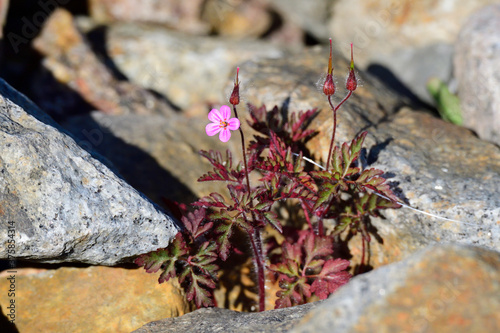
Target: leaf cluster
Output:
[(306, 267)]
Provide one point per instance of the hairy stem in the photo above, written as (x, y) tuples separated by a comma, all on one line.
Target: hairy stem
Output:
[(334, 109), (345, 99), (256, 241), (254, 235), (306, 214), (244, 156)]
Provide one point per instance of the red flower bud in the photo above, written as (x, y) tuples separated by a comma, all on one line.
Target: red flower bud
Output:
[(351, 83), (329, 85), (235, 95)]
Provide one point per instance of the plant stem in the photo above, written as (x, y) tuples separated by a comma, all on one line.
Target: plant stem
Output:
[(334, 109), (345, 99), (306, 214), (254, 235), (244, 156), (256, 242)]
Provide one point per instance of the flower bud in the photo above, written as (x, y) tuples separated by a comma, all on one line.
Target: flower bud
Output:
[(329, 85), (235, 95), (351, 83)]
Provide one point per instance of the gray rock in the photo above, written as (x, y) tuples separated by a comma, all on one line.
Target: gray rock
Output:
[(446, 288), (62, 204), (477, 67), (186, 69), (312, 16), (223, 320), (440, 289), (414, 68), (441, 169)]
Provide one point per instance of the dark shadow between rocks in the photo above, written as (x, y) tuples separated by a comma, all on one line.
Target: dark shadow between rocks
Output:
[(23, 23), (388, 79), (131, 163), (6, 326), (237, 278)]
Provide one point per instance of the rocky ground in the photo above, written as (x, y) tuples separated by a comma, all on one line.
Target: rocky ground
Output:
[(102, 114)]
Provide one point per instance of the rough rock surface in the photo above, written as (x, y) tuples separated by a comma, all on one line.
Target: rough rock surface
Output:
[(179, 15), (91, 299), (186, 69), (222, 320), (441, 169), (446, 288), (477, 67), (63, 204)]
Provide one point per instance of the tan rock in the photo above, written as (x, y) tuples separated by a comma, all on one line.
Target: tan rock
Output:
[(444, 288), (179, 15), (92, 299)]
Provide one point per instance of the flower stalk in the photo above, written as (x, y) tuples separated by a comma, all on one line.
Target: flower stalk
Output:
[(329, 91), (254, 235)]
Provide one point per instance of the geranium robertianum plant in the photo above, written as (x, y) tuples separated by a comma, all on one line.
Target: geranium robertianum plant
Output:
[(302, 260)]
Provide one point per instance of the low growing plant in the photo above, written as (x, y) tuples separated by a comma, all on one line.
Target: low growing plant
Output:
[(302, 259)]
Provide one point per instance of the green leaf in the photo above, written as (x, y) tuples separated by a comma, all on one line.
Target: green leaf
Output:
[(448, 105), (164, 259), (356, 145), (225, 232), (272, 219)]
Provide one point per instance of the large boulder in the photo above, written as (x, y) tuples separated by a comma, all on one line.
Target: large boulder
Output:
[(89, 299), (58, 203), (477, 63)]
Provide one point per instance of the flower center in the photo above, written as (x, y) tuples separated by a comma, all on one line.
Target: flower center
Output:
[(223, 124)]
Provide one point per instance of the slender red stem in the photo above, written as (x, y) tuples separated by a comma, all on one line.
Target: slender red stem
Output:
[(334, 109), (254, 235), (256, 242), (306, 214), (345, 99), (244, 156)]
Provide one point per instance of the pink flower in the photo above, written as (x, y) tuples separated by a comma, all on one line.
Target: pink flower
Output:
[(222, 123)]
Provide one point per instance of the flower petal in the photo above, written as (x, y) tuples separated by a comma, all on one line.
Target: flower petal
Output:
[(215, 116), (225, 112), (212, 129), (233, 124), (225, 135)]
